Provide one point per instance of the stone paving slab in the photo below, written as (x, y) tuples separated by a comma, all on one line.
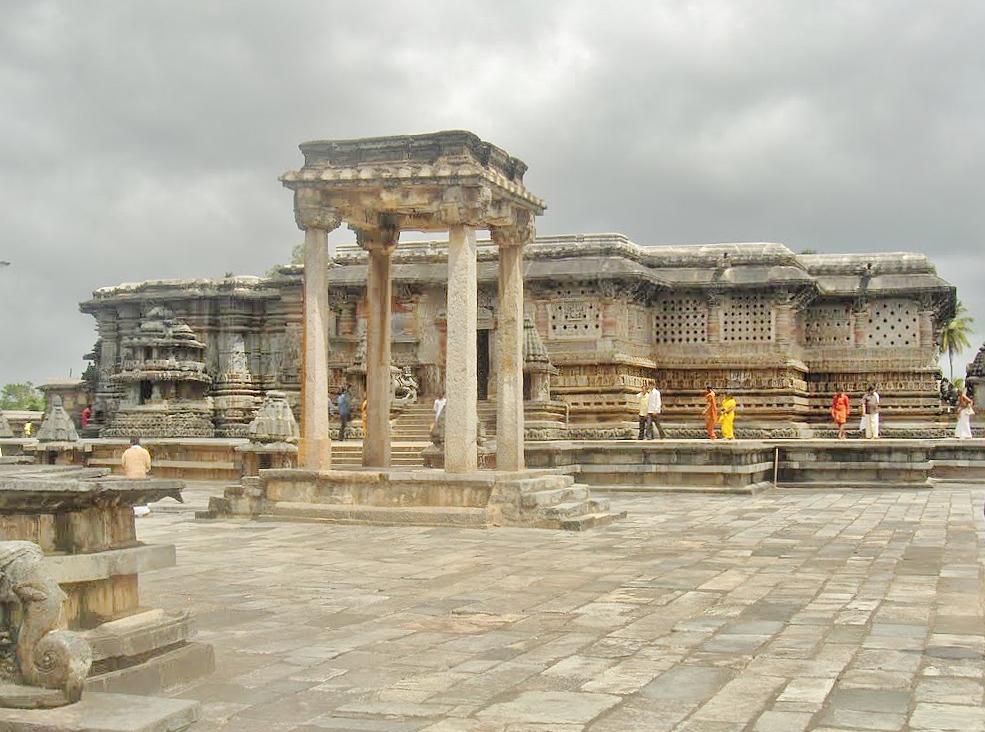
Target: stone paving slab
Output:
[(789, 610)]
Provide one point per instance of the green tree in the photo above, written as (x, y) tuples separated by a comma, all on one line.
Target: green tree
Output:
[(22, 396), (955, 336), (297, 257)]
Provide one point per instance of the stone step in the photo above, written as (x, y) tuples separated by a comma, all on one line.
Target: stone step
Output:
[(570, 509), (591, 520), (555, 496), (550, 482), (386, 515)]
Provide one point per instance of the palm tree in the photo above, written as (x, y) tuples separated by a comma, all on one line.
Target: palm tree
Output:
[(955, 335)]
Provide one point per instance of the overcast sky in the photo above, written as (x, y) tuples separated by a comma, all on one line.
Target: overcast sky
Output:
[(143, 140)]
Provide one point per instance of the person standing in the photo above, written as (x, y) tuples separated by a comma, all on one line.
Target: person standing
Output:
[(710, 412), (85, 416), (653, 407), (728, 416), (344, 413), (840, 409), (362, 414), (962, 430), (870, 413), (136, 464), (439, 404), (643, 398)]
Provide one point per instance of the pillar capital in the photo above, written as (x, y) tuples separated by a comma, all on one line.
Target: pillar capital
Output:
[(382, 239), (515, 235), (311, 213)]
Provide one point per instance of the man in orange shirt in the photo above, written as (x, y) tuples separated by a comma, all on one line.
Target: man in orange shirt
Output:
[(136, 464), (710, 412)]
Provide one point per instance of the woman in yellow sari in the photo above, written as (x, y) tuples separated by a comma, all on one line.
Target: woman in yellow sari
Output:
[(728, 417)]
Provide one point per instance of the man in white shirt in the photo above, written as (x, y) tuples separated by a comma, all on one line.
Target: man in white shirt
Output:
[(653, 407)]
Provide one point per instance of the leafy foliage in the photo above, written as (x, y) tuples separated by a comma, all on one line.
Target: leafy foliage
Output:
[(23, 395), (955, 335)]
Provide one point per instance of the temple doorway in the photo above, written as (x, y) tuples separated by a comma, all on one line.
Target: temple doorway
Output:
[(482, 364)]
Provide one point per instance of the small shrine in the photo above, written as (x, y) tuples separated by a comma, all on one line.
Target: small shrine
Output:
[(544, 418), (57, 439), (163, 381)]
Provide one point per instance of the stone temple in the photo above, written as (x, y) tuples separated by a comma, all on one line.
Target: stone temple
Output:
[(780, 330)]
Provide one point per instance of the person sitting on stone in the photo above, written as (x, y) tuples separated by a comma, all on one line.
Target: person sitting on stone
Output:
[(136, 464)]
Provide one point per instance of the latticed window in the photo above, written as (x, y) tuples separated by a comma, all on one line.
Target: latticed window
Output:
[(747, 318), (680, 320), (828, 324), (575, 313), (893, 322)]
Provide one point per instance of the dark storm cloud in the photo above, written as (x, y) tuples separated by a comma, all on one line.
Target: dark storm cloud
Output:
[(143, 140)]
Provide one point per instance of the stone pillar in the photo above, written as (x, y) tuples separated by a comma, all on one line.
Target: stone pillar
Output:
[(509, 372), (461, 453), (379, 296), (315, 445)]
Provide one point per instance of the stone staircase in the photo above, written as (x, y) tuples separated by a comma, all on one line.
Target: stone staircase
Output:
[(349, 454), (414, 424)]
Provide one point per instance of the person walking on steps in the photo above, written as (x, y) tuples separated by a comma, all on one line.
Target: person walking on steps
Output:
[(710, 412), (644, 402), (840, 409), (653, 407), (344, 413)]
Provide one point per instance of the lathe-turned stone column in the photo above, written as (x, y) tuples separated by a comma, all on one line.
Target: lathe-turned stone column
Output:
[(315, 445), (379, 296), (461, 382), (509, 326)]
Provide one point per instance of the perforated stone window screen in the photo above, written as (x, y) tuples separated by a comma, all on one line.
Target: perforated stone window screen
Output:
[(680, 320), (747, 318), (893, 323), (570, 316), (828, 324)]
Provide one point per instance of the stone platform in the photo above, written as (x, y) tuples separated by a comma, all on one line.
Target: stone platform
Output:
[(535, 498), (748, 466), (106, 713)]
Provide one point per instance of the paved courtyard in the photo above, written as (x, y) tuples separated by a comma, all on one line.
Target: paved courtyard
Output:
[(791, 610)]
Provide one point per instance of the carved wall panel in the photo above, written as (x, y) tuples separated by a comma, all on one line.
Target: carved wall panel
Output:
[(572, 318), (828, 325), (680, 319), (893, 323), (747, 318)]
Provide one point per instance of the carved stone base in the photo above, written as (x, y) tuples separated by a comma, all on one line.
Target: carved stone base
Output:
[(106, 713), (18, 696)]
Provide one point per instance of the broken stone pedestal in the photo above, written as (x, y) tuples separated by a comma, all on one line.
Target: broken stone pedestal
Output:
[(82, 519)]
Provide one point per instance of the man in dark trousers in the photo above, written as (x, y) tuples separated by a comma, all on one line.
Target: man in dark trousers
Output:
[(343, 405)]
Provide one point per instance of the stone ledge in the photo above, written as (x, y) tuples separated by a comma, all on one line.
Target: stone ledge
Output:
[(70, 568), (139, 634), (106, 713), (177, 667), (354, 513)]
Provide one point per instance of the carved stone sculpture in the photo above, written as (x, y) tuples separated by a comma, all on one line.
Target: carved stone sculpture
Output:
[(405, 387), (45, 656)]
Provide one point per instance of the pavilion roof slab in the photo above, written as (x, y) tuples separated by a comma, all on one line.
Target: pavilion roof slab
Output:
[(421, 182)]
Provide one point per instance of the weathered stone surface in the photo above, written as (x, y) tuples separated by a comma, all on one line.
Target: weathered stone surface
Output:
[(106, 713)]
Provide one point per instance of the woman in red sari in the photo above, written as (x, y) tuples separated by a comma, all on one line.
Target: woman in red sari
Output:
[(840, 409)]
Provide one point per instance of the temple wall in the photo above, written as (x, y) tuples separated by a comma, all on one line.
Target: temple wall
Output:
[(778, 330)]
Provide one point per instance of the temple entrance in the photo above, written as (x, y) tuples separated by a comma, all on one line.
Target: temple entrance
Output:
[(482, 364)]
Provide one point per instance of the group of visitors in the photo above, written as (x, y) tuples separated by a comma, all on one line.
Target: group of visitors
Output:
[(650, 405), (869, 423), (841, 409)]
